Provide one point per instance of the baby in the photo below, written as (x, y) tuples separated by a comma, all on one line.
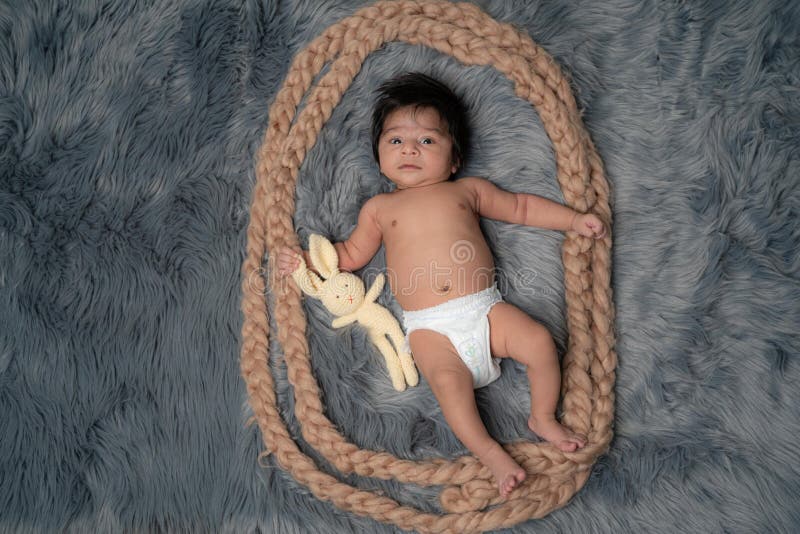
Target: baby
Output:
[(441, 270)]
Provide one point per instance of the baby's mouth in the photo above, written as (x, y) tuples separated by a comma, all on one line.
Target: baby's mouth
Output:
[(408, 166)]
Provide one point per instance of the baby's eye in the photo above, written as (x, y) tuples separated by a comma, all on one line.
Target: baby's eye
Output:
[(395, 141), (426, 141)]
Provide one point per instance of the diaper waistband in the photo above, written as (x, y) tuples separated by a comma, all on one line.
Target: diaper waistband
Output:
[(466, 304)]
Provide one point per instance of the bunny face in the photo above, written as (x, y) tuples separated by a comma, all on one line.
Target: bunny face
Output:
[(343, 293)]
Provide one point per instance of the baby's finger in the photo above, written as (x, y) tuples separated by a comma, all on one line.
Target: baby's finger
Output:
[(287, 261), (291, 263)]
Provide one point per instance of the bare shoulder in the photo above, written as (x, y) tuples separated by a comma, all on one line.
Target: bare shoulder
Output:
[(471, 181), (372, 209), (474, 184), (476, 187), (374, 204), (490, 200)]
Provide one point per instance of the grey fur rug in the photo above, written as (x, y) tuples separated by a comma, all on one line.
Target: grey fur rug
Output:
[(127, 140)]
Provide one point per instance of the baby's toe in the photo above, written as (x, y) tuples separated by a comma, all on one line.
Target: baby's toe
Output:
[(572, 443), (508, 485), (511, 481), (567, 446)]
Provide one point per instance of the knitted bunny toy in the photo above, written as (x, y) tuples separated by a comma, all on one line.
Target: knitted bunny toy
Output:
[(342, 293)]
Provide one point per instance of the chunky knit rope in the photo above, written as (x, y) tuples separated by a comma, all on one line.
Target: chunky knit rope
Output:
[(469, 497)]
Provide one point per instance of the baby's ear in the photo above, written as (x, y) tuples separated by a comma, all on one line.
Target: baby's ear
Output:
[(323, 256)]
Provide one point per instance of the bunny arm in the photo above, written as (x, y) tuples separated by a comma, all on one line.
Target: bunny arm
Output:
[(375, 290)]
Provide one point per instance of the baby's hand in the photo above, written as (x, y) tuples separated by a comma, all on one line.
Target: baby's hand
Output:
[(589, 225), (288, 260)]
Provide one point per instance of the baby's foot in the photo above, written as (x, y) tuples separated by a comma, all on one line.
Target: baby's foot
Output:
[(556, 433), (505, 470)]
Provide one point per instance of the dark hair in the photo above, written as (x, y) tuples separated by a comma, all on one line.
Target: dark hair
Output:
[(422, 91)]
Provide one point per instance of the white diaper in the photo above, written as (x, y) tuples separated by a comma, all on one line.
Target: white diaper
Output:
[(465, 322)]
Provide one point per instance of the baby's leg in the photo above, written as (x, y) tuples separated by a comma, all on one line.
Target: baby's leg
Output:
[(514, 334), (451, 383)]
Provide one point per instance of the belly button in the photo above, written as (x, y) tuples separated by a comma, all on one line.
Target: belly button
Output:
[(394, 222)]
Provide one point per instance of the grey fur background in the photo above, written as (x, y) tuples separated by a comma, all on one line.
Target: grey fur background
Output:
[(127, 140)]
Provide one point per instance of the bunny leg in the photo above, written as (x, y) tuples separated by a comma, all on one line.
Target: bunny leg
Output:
[(406, 361), (392, 361), (409, 368)]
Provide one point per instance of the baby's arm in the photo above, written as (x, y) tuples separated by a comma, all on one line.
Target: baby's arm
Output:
[(531, 210), (353, 253), (356, 251)]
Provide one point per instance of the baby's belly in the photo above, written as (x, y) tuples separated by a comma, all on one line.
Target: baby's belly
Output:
[(418, 283)]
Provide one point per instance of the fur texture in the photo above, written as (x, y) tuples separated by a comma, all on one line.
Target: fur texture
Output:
[(127, 140)]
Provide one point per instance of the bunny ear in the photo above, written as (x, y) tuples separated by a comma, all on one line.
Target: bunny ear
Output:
[(308, 281), (323, 255)]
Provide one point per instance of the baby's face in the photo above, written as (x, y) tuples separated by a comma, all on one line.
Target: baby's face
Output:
[(415, 148)]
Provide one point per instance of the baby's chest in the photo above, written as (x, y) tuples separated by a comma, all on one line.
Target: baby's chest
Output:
[(427, 215)]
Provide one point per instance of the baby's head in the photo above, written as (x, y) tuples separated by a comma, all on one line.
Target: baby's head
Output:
[(430, 104)]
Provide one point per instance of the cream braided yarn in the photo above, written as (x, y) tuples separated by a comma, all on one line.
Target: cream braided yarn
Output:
[(469, 498)]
